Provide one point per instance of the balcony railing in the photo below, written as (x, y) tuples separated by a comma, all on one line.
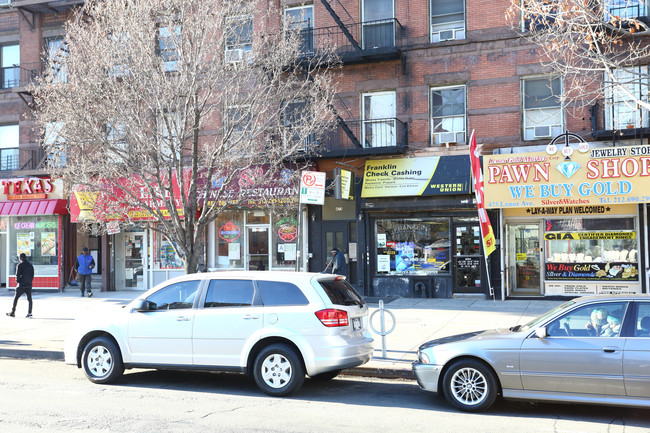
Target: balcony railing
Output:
[(29, 72), (377, 136), (17, 159), (362, 39), (9, 77)]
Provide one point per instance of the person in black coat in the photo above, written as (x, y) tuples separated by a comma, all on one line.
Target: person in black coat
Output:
[(24, 278)]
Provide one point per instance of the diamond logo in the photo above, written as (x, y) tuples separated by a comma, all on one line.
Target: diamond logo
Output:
[(568, 168)]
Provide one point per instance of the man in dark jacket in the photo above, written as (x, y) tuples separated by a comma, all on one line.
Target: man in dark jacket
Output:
[(338, 263), (84, 266), (24, 278)]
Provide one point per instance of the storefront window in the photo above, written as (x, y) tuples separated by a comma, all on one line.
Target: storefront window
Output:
[(165, 255), (588, 249), (413, 246), (36, 236), (229, 240), (285, 242)]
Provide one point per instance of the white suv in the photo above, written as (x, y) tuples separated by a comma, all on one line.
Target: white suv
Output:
[(273, 326)]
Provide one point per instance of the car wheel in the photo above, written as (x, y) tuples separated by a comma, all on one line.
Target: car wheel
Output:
[(102, 361), (469, 385), (328, 375), (278, 370)]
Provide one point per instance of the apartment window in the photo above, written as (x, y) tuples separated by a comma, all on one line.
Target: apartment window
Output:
[(239, 38), (622, 112), (168, 41), (56, 52), (447, 20), (448, 115), (543, 115), (624, 9), (9, 143), (169, 130), (117, 141), (378, 24), (121, 60), (546, 18), (379, 119), (294, 116), (10, 62), (301, 20), (54, 143)]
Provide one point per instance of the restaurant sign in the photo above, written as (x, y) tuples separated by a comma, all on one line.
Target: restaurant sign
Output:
[(605, 176)]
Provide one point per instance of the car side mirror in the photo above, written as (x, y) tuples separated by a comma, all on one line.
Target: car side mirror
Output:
[(141, 305), (541, 332)]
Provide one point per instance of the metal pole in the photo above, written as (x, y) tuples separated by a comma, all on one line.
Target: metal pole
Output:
[(383, 331)]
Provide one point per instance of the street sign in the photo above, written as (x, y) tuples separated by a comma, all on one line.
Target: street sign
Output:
[(312, 187)]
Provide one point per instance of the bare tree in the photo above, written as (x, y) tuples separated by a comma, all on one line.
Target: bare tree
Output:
[(597, 46), (150, 107)]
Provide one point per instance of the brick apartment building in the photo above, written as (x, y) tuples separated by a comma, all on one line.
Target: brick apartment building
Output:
[(417, 77)]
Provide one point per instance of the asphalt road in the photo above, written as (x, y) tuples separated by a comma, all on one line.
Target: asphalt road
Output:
[(49, 396)]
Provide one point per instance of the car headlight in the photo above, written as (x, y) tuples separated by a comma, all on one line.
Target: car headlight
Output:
[(424, 358)]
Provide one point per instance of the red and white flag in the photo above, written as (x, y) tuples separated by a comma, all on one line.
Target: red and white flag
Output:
[(477, 176)]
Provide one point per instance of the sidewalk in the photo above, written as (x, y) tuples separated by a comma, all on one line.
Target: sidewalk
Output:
[(417, 321)]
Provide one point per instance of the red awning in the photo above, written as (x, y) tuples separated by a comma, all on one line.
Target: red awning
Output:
[(34, 207)]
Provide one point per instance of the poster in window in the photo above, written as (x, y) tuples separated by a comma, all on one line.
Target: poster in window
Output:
[(25, 243), (381, 240), (48, 244), (129, 273), (290, 252), (234, 251), (383, 263)]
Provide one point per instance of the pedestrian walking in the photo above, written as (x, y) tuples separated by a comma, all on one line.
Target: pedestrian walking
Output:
[(84, 266), (24, 278), (338, 263)]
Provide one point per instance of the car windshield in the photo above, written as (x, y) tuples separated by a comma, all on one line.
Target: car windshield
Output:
[(536, 321)]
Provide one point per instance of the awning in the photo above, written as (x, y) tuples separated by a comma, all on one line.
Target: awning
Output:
[(34, 207)]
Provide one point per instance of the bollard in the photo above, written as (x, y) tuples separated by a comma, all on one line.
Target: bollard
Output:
[(382, 325)]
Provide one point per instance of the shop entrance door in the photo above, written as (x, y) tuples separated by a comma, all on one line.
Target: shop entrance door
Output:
[(134, 247), (524, 259), (258, 248), (468, 264), (340, 234)]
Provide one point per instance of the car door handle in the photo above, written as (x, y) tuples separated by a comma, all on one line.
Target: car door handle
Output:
[(609, 349), (182, 319), (250, 317)]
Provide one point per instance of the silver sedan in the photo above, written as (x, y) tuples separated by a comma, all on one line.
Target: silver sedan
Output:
[(588, 350)]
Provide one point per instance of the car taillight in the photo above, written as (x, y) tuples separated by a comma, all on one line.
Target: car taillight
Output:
[(332, 317)]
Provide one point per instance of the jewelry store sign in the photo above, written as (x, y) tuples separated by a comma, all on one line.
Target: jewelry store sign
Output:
[(590, 177)]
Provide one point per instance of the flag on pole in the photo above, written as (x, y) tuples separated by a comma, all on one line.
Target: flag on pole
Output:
[(477, 177)]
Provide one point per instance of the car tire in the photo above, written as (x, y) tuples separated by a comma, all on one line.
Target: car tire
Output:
[(328, 375), (470, 385), (102, 361), (278, 370)]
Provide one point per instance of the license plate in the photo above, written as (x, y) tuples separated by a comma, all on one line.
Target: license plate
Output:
[(356, 323)]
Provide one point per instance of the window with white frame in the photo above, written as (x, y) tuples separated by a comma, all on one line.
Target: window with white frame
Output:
[(56, 52), (543, 115), (9, 143), (621, 94), (168, 42), (10, 66), (239, 38), (624, 9), (55, 143), (448, 115), (447, 20), (301, 19), (169, 129), (378, 24), (379, 119), (117, 142)]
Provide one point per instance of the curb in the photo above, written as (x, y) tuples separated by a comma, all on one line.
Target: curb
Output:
[(51, 355), (378, 372)]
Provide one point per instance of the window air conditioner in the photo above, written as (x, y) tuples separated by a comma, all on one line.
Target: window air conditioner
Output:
[(542, 131), (232, 56), (447, 35), (447, 137), (5, 3)]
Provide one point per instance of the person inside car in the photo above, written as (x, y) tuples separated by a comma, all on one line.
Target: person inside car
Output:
[(598, 320)]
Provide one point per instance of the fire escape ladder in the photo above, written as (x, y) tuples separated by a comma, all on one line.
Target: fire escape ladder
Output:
[(340, 23)]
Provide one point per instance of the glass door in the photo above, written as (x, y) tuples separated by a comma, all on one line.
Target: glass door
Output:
[(468, 262), (133, 260), (258, 248), (524, 259)]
